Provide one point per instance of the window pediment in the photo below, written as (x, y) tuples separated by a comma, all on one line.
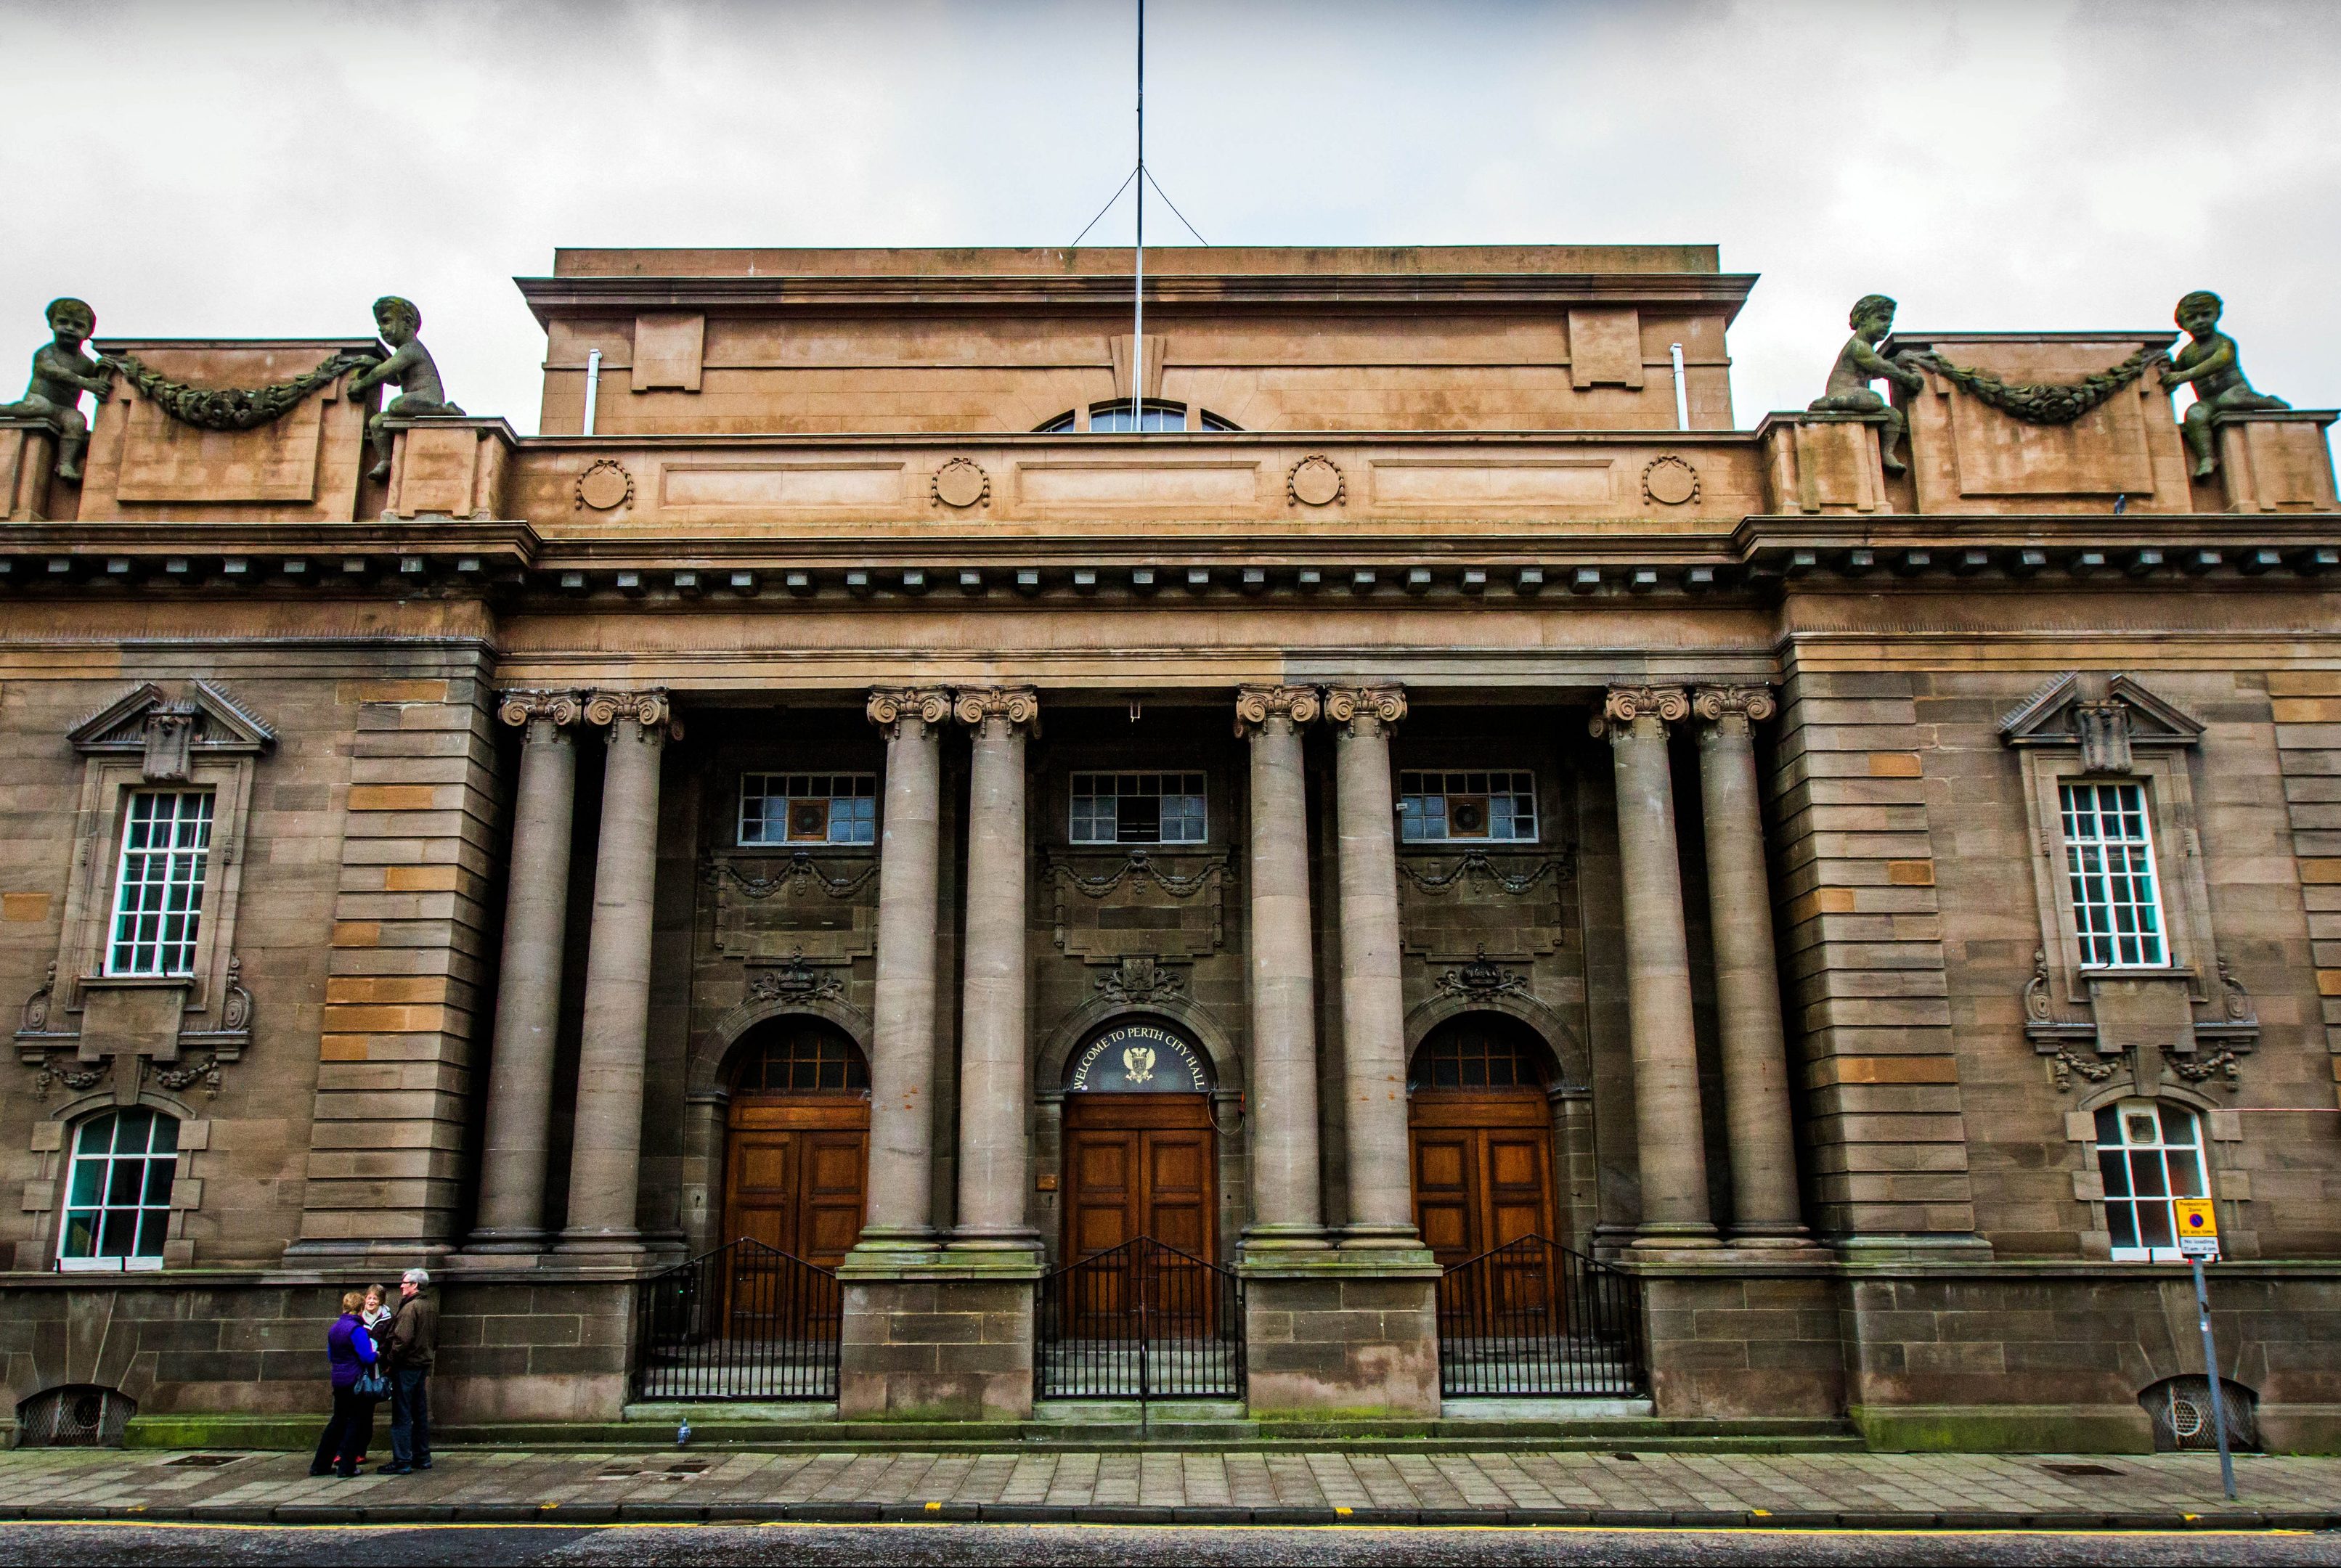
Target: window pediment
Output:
[(2106, 722), (147, 722)]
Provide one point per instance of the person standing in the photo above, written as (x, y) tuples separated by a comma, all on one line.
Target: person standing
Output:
[(375, 1315), (351, 1356), (413, 1340)]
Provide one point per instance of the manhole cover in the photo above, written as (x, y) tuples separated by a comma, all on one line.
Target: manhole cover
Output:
[(2081, 1470), (202, 1461)]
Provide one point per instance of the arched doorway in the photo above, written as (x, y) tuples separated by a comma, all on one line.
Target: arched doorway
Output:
[(799, 1158), (1140, 1154), (1480, 1126)]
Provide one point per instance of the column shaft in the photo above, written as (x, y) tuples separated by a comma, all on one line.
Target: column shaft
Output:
[(1747, 977), (605, 1154), (1667, 1128), (1288, 1206), (902, 1060), (992, 1158), (1373, 1003), (528, 996)]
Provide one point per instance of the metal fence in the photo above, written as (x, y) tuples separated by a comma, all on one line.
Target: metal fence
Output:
[(743, 1322), (1143, 1321), (1532, 1318)]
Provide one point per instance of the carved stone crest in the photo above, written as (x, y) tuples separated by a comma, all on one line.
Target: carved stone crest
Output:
[(1314, 480), (1669, 481), (960, 483), (604, 486), (1481, 979), (1139, 978), (794, 981)]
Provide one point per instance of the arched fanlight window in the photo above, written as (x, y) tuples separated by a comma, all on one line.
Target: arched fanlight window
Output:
[(1481, 1051), (2149, 1152), (1153, 415), (801, 1055), (118, 1191)]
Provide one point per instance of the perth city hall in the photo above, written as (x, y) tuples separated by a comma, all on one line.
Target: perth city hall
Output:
[(1361, 850)]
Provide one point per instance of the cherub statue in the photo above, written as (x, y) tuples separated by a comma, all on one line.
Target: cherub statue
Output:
[(2211, 363), (1857, 364), (409, 368), (61, 373)]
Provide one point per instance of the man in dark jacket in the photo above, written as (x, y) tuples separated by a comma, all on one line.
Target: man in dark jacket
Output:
[(414, 1338)]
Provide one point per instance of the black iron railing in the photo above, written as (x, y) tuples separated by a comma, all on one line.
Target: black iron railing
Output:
[(1532, 1318), (743, 1322), (1143, 1321)]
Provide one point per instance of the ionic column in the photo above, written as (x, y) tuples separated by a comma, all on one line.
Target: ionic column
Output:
[(1288, 1209), (1373, 1004), (992, 1158), (1657, 969), (1747, 976), (528, 995), (605, 1154), (901, 1207)]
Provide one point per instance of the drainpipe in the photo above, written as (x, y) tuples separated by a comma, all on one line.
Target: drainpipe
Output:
[(593, 384)]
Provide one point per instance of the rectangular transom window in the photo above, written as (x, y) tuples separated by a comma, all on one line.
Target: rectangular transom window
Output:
[(118, 1191), (1466, 808), (808, 808), (2109, 863), (158, 884), (1140, 808), (2148, 1152)]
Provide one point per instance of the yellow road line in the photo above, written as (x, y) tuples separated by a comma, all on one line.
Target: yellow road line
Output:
[(1734, 1530)]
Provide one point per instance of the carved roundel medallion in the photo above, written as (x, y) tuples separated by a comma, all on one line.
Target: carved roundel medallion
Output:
[(1669, 481), (962, 483), (604, 485), (1314, 481)]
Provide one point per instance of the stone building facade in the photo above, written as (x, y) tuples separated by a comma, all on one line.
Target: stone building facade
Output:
[(1428, 776)]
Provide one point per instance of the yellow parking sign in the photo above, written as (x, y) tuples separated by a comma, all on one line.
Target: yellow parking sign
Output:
[(2199, 1228)]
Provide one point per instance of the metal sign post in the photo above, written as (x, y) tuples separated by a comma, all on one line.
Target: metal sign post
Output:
[(2198, 1238)]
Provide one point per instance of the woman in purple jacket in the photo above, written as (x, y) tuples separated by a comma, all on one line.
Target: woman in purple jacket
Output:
[(351, 1350)]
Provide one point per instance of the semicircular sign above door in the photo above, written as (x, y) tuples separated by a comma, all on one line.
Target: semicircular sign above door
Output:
[(1138, 1059)]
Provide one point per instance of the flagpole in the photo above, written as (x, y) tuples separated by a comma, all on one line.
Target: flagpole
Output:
[(1138, 331)]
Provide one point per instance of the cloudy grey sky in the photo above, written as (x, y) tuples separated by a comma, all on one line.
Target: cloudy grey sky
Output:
[(207, 168)]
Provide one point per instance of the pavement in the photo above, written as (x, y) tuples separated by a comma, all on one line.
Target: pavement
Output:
[(1121, 1546), (1349, 1486)]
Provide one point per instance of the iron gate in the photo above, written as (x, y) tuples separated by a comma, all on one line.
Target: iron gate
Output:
[(1532, 1318), (743, 1322), (1143, 1321)]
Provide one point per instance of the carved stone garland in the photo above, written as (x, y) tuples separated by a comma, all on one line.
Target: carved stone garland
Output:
[(2042, 403), (232, 408)]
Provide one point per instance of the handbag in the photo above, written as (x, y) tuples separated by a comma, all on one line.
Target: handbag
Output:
[(371, 1385)]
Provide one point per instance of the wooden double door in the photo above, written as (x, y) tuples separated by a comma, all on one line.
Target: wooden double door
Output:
[(1482, 1164), (1139, 1164), (797, 1173)]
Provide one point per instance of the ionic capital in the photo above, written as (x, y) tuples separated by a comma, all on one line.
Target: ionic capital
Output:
[(1018, 707), (1256, 704), (890, 705), (1716, 703), (561, 708), (652, 713), (1345, 705), (1621, 705)]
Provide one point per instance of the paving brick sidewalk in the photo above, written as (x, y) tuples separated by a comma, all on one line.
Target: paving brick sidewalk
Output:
[(1330, 1485)]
